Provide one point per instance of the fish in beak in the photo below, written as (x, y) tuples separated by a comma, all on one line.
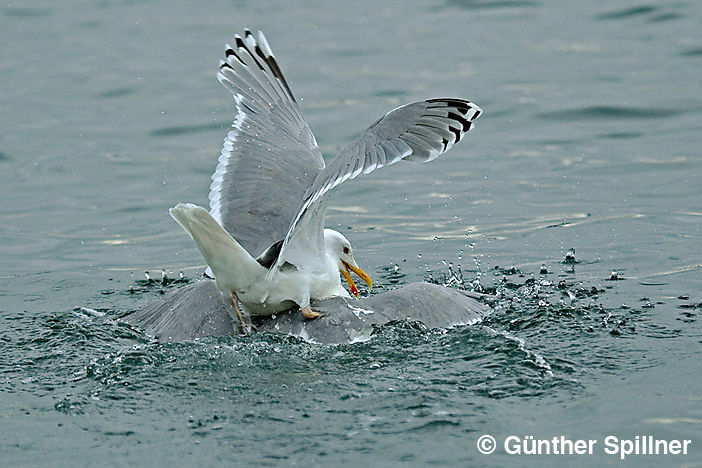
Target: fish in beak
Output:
[(360, 273)]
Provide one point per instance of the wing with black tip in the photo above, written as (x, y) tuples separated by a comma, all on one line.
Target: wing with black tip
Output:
[(269, 158), (418, 132)]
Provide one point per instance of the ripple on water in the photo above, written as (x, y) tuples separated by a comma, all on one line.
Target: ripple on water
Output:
[(187, 129), (609, 112), (630, 12), (532, 346), (692, 52)]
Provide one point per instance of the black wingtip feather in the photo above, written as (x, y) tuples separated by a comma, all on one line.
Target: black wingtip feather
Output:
[(464, 123), (269, 60), (228, 53), (457, 132), (270, 256), (461, 105)]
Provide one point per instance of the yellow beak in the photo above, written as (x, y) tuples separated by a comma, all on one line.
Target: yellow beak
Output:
[(361, 274)]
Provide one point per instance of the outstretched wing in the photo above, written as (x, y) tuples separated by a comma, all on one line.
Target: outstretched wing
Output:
[(419, 132), (270, 157)]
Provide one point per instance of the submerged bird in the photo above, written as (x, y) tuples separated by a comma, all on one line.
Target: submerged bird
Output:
[(270, 191), (198, 310)]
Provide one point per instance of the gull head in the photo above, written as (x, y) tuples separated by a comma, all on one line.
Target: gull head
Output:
[(339, 250)]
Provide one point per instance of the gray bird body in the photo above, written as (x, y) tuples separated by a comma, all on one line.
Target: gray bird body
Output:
[(198, 311), (264, 238)]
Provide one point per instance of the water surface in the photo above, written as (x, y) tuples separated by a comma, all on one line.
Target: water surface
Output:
[(590, 140)]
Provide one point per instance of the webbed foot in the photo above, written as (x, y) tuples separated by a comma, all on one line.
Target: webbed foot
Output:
[(309, 313)]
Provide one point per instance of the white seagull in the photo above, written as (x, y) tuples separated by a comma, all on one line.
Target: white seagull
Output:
[(270, 191)]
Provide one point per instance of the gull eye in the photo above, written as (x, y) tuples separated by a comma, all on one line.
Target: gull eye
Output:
[(346, 250)]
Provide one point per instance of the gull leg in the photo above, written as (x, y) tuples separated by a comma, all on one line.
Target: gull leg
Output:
[(245, 326), (309, 313)]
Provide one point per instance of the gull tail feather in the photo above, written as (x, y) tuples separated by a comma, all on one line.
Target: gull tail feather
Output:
[(233, 267)]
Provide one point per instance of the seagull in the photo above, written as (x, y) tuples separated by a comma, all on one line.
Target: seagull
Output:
[(271, 188)]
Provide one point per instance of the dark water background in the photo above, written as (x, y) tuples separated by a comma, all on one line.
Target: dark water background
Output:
[(110, 113)]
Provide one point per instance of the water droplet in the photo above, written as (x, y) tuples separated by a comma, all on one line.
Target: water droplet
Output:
[(569, 256)]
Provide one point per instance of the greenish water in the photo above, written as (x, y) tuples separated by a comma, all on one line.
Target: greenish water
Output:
[(110, 114)]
